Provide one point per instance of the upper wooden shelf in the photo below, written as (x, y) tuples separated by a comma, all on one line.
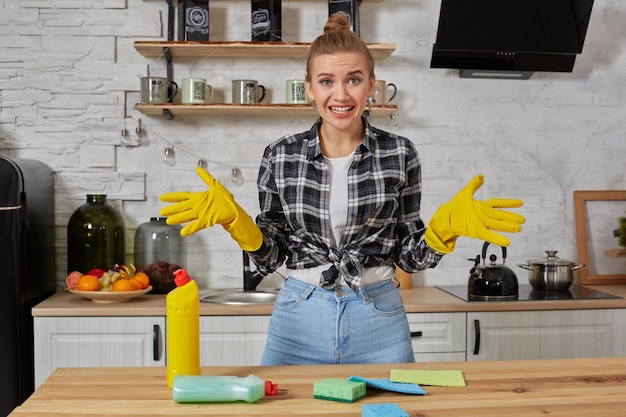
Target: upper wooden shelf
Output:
[(260, 109), (237, 49)]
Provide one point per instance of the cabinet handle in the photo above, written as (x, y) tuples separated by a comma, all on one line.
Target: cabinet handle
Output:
[(477, 340), (155, 342), (416, 334)]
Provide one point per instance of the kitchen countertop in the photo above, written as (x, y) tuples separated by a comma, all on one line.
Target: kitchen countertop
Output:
[(422, 299), (559, 388)]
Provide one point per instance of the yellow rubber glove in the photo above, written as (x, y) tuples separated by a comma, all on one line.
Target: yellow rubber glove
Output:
[(214, 206), (464, 216)]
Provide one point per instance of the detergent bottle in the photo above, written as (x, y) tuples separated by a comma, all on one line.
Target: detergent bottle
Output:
[(183, 327), (211, 389)]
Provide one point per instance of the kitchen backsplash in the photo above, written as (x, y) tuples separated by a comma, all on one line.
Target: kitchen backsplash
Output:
[(69, 79)]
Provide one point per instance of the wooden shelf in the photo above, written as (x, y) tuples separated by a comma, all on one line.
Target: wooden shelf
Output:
[(223, 109), (179, 49)]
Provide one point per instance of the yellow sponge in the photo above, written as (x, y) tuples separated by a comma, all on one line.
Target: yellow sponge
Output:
[(342, 390)]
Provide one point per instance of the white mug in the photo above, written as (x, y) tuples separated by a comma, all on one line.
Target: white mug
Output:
[(247, 92), (380, 92), (296, 92), (196, 91)]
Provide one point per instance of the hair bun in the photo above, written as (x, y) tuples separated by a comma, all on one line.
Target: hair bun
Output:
[(338, 22)]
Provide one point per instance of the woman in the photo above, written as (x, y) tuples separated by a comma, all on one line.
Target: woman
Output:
[(340, 205)]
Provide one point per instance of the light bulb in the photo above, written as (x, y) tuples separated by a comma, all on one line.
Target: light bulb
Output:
[(237, 177), (394, 122), (169, 156), (125, 137)]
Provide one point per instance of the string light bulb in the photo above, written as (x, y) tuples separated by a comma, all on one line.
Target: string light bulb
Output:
[(236, 177), (131, 138), (169, 156)]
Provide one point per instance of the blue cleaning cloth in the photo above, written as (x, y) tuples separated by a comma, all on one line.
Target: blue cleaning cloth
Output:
[(382, 410), (387, 385)]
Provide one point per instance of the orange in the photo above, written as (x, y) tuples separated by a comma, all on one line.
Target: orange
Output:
[(88, 283), (123, 285), (136, 283), (143, 278)]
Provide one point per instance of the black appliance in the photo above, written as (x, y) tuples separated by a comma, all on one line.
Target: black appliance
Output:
[(527, 293), (510, 38), (27, 257)]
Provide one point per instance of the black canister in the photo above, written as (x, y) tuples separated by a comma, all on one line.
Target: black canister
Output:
[(95, 236), (159, 251), (266, 25), (193, 20), (350, 8)]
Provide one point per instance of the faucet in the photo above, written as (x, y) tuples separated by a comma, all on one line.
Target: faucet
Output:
[(250, 279)]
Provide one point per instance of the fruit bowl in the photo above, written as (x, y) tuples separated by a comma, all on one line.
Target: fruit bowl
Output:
[(111, 296)]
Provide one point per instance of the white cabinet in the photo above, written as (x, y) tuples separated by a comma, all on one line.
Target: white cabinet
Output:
[(438, 337), (140, 341), (240, 340), (546, 334), (232, 340), (97, 341)]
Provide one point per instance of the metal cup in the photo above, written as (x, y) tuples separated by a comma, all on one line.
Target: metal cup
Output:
[(380, 92), (247, 92), (155, 89)]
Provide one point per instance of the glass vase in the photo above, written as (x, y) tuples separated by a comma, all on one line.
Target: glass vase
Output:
[(95, 236), (159, 251)]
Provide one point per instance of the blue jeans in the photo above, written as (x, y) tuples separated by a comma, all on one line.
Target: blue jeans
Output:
[(311, 325)]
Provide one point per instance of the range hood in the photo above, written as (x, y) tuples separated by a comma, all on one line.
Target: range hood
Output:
[(510, 38)]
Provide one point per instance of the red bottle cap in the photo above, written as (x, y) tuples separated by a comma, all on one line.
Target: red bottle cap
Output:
[(181, 277), (270, 389)]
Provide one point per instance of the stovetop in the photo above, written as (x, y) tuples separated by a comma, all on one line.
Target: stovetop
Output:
[(528, 293)]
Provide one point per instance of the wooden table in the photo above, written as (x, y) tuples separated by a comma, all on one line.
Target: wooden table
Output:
[(555, 388)]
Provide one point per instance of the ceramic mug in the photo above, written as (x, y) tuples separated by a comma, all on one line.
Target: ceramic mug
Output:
[(247, 92), (380, 92), (154, 89), (296, 92), (196, 91)]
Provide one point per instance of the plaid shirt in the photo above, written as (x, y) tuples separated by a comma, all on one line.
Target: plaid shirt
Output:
[(383, 225)]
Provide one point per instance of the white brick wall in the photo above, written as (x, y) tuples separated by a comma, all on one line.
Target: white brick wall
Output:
[(69, 80)]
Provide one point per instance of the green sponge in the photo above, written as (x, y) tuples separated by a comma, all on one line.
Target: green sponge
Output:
[(382, 410), (342, 390)]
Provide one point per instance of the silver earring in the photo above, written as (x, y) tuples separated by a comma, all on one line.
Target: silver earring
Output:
[(367, 112), (314, 104)]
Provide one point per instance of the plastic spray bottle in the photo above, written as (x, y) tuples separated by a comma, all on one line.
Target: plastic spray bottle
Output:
[(210, 389), (183, 327)]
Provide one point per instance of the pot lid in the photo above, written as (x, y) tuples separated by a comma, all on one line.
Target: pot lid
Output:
[(551, 259)]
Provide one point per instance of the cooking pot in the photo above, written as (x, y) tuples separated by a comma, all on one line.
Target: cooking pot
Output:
[(491, 282), (551, 272)]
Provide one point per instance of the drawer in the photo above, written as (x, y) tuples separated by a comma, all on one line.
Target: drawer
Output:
[(437, 332)]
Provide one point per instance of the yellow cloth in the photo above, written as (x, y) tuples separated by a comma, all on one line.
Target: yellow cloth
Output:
[(214, 206), (464, 216), (437, 378)]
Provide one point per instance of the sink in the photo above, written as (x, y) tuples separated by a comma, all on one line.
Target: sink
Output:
[(239, 297)]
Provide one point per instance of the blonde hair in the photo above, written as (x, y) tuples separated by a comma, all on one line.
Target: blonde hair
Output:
[(338, 37)]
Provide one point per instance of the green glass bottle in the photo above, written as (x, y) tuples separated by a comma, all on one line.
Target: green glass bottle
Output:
[(95, 236)]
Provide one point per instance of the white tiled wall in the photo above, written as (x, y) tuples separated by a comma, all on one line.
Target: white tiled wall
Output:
[(69, 78)]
